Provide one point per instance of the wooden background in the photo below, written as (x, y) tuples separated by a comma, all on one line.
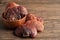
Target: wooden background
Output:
[(49, 10)]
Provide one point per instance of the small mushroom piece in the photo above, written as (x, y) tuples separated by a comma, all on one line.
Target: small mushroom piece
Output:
[(26, 30), (37, 22)]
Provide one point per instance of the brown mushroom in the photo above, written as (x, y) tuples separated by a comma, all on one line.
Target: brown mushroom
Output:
[(14, 15), (26, 30), (37, 22), (29, 29)]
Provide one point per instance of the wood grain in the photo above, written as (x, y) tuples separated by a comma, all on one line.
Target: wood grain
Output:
[(49, 10)]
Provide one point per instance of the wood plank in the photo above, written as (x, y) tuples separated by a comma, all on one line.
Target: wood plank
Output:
[(49, 10)]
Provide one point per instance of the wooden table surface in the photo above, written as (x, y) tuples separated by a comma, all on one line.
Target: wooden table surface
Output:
[(49, 10)]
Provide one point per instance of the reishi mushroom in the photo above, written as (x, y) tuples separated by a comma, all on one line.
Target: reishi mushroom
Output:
[(26, 30), (25, 24), (38, 22), (14, 11), (14, 15), (30, 29)]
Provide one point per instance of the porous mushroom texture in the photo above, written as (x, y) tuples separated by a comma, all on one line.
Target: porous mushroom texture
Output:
[(14, 11)]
